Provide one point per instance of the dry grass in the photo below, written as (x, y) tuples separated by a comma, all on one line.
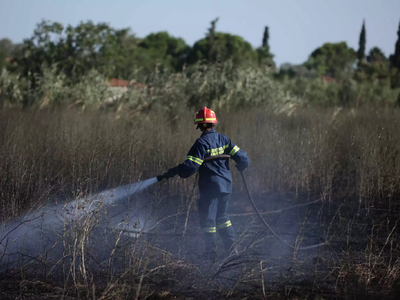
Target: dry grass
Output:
[(347, 157), (311, 153)]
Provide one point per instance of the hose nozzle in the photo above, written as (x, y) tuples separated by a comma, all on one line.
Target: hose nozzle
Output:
[(160, 177)]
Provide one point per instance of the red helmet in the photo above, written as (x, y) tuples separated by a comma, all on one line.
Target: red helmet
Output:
[(205, 115)]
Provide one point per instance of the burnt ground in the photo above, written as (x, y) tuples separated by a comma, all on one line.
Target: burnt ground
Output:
[(287, 272), (359, 260)]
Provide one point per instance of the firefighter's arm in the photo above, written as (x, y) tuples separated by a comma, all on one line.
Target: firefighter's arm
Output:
[(193, 161), (238, 155)]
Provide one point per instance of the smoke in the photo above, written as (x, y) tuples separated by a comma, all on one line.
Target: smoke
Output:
[(46, 230), (102, 232)]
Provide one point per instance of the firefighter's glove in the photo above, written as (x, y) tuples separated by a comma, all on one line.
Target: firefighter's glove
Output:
[(241, 168), (171, 173), (160, 177)]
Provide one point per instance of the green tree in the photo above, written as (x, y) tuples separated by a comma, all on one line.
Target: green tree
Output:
[(229, 47), (168, 51), (290, 71), (213, 55), (124, 57), (265, 58), (7, 46), (3, 56), (395, 63), (265, 39), (39, 50), (378, 67), (7, 50), (376, 55), (336, 60), (88, 46), (395, 58), (361, 43), (75, 50)]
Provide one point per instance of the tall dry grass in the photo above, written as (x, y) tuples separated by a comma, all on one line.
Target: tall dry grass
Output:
[(309, 154)]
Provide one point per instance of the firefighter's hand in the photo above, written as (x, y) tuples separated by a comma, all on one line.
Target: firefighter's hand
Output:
[(241, 168), (160, 177), (169, 174), (163, 176)]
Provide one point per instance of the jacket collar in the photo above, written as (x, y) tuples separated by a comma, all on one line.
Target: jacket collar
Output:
[(207, 132)]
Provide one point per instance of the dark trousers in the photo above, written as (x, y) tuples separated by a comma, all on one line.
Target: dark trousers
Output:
[(214, 217)]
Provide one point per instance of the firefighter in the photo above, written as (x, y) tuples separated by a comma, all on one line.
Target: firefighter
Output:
[(215, 180)]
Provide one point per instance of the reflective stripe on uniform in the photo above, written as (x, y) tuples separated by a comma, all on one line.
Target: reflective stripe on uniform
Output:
[(210, 229), (195, 159), (234, 150), (217, 151), (224, 225)]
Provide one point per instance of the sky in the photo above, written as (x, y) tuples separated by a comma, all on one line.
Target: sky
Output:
[(296, 27)]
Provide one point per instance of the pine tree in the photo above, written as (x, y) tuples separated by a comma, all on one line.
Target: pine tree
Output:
[(211, 35), (395, 58), (362, 42)]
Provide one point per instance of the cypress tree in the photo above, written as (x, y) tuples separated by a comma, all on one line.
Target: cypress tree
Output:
[(265, 38), (264, 56), (395, 58), (362, 42)]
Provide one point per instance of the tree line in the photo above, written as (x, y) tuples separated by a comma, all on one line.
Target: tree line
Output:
[(117, 53)]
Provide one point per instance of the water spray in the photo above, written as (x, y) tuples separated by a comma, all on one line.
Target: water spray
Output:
[(54, 219)]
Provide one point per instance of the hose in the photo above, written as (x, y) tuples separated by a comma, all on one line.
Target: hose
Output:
[(269, 227), (217, 157), (224, 156)]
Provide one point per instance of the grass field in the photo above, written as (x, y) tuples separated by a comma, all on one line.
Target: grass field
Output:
[(348, 158)]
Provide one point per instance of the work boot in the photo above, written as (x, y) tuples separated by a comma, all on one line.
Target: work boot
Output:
[(229, 238), (209, 247)]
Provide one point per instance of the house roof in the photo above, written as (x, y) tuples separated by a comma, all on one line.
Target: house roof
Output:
[(11, 60), (114, 82)]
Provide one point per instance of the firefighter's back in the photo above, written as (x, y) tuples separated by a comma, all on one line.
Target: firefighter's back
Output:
[(215, 176)]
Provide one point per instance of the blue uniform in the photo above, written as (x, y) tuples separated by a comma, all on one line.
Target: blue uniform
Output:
[(215, 183), (215, 176)]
